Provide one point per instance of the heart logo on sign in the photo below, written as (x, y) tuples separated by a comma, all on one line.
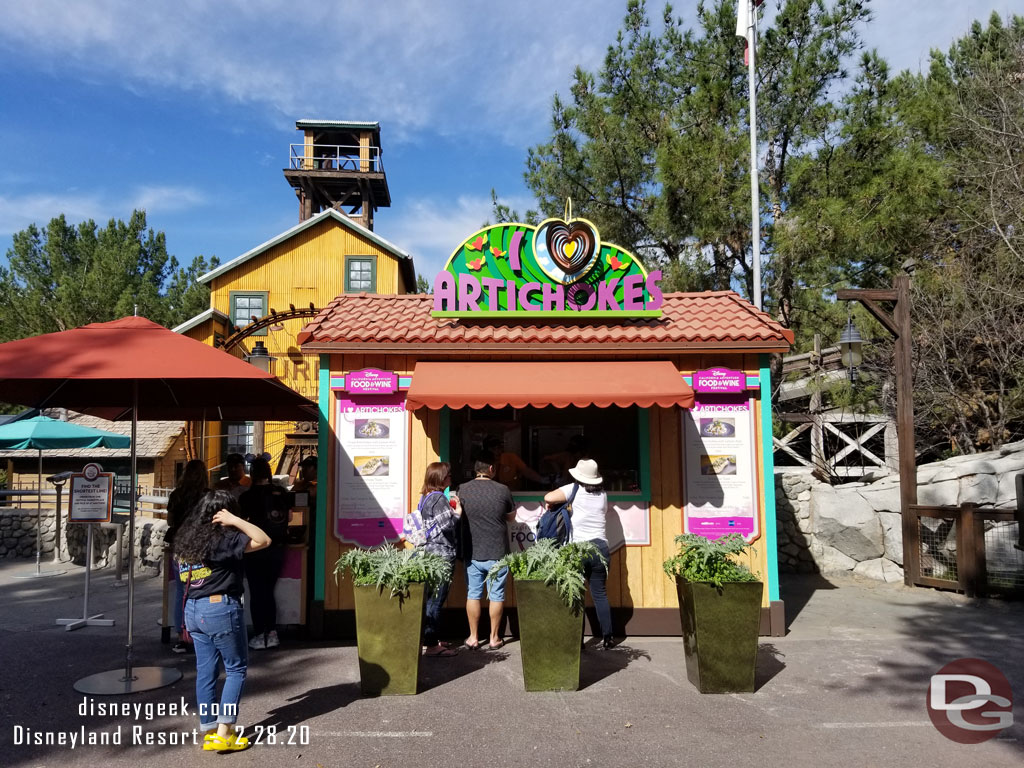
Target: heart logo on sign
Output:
[(571, 245)]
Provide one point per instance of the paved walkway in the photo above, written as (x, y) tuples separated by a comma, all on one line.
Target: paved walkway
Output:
[(845, 687)]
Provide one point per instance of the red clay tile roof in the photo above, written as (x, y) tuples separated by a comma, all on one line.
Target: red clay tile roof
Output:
[(373, 323)]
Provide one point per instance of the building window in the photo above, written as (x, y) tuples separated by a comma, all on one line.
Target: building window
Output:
[(360, 274), (248, 304), (238, 437)]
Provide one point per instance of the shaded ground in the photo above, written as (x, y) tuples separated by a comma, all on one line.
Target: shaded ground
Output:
[(845, 687)]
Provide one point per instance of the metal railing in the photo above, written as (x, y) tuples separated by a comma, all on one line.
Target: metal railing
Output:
[(335, 157)]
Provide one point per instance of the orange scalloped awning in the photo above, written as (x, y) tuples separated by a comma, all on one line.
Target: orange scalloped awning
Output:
[(561, 384)]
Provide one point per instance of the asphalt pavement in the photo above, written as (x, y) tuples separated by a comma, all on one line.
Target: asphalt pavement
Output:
[(845, 687)]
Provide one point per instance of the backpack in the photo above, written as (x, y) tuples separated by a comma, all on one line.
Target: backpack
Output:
[(413, 530), (557, 523)]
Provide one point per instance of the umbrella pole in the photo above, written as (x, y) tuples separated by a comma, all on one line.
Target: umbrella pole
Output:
[(144, 678), (131, 535), (39, 529)]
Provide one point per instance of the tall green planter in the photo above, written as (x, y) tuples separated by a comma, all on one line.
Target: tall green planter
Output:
[(550, 635), (720, 630), (388, 635)]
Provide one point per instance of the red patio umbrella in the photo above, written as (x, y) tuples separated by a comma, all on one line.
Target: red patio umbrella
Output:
[(134, 369)]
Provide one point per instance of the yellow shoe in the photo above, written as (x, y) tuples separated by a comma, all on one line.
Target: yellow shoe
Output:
[(214, 742)]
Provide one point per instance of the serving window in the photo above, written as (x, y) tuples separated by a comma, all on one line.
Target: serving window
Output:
[(535, 447)]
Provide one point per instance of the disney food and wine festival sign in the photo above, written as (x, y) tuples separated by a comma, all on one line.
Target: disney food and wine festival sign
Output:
[(559, 268)]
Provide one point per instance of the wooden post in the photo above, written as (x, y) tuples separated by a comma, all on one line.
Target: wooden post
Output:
[(905, 425), (898, 324), (817, 431)]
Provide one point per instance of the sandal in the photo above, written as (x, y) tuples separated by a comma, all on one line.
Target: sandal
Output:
[(501, 644), (471, 646), (440, 650), (214, 742)]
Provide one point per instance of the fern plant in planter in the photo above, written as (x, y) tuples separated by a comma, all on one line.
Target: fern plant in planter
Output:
[(550, 592), (720, 610), (389, 588)]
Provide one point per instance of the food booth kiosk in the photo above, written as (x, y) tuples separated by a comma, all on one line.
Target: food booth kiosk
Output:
[(547, 342)]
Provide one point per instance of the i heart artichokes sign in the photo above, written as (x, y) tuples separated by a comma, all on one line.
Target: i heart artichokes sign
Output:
[(556, 269)]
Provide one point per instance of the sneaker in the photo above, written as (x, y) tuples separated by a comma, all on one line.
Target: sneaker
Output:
[(181, 647), (213, 742), (258, 642), (272, 639)]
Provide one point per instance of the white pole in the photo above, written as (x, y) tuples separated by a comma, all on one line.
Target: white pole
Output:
[(755, 195)]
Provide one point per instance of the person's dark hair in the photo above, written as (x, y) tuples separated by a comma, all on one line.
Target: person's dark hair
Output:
[(483, 463), (191, 486), (598, 488), (309, 461), (259, 470), (234, 458), (436, 477), (198, 536)]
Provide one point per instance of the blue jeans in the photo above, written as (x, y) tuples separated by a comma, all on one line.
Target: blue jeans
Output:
[(432, 618), (218, 631), (597, 575)]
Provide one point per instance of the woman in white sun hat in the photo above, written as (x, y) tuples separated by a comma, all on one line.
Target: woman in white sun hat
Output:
[(589, 510)]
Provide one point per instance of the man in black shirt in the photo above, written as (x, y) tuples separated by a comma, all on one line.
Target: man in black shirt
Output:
[(486, 505)]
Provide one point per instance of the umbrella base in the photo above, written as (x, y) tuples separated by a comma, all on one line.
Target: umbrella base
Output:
[(113, 682), (37, 574), (91, 621)]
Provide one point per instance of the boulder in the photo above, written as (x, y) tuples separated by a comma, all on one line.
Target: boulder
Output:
[(892, 535), (879, 569), (979, 489), (882, 498), (945, 493), (832, 560), (845, 521)]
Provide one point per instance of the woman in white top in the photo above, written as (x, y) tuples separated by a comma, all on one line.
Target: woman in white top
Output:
[(589, 511)]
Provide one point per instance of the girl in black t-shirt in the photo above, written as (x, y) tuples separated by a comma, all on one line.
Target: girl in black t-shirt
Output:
[(209, 548)]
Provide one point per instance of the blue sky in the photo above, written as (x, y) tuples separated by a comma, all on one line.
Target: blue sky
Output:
[(187, 109)]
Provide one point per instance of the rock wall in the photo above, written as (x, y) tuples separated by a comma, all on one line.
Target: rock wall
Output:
[(856, 526), (18, 539)]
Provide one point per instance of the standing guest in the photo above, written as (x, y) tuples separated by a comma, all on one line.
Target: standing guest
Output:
[(589, 513), (266, 505), (183, 499), (440, 522), (509, 467), (306, 481), (236, 482), (487, 505), (209, 549)]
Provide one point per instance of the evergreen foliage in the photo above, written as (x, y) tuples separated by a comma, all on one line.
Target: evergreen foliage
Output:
[(386, 567), (561, 567), (705, 560)]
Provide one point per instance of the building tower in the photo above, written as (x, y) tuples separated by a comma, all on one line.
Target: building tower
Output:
[(338, 165)]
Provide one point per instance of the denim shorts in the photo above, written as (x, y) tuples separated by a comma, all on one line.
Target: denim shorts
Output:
[(476, 576)]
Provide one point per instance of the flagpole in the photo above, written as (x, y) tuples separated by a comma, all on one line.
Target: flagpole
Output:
[(755, 195)]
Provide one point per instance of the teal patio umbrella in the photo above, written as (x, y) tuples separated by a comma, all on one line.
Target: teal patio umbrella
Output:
[(40, 433)]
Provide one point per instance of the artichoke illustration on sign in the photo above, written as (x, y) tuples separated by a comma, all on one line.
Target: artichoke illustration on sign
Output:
[(559, 268)]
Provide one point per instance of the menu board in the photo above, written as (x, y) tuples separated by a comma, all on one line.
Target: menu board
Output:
[(372, 468), (721, 467)]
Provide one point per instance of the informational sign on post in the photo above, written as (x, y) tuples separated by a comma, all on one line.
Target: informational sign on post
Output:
[(721, 467), (372, 468), (92, 495)]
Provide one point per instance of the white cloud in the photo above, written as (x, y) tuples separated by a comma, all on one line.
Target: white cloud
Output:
[(431, 229), (18, 211)]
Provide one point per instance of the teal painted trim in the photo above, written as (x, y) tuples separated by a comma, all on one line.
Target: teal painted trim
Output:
[(644, 437), (319, 524), (338, 382), (771, 534), (753, 382), (445, 437)]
